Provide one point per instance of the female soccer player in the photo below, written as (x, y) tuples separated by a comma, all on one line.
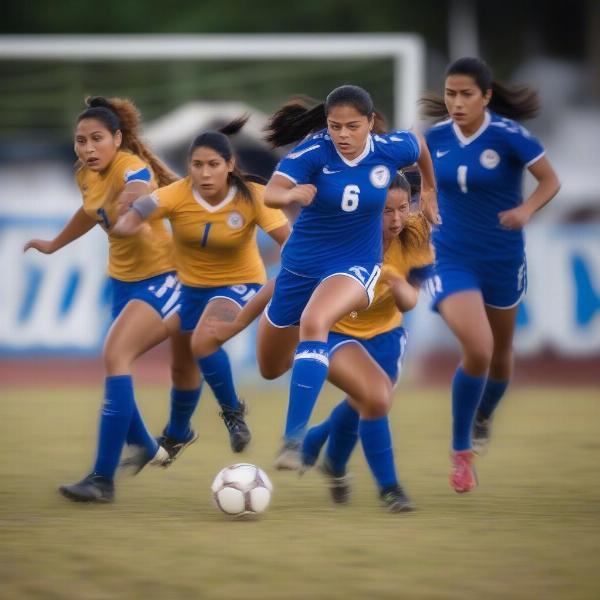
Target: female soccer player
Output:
[(114, 168), (331, 263), (214, 213), (479, 154), (365, 349)]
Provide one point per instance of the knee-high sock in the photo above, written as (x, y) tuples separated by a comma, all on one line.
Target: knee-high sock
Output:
[(183, 405), (216, 370), (466, 395), (492, 394), (343, 436), (114, 423), (138, 434), (309, 372), (377, 445)]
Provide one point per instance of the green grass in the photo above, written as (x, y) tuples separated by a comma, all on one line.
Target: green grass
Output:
[(531, 530)]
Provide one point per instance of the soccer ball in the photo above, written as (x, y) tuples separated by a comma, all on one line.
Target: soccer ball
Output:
[(242, 489)]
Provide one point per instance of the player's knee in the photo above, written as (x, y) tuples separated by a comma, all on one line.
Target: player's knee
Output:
[(116, 360), (377, 401), (270, 369), (478, 356), (313, 326)]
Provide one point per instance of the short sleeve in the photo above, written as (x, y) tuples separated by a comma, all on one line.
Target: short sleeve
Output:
[(142, 174), (302, 162), (525, 146), (267, 218), (166, 199), (403, 147)]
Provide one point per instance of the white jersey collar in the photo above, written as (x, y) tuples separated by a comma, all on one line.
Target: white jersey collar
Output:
[(214, 208), (363, 154), (466, 140)]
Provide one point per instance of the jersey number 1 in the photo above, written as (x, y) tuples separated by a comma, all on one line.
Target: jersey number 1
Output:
[(350, 198), (461, 177)]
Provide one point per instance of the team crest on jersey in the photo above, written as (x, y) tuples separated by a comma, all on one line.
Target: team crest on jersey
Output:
[(235, 220), (489, 159), (379, 176)]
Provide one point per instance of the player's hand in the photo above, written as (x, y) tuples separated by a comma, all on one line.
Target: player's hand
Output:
[(429, 206), (43, 246), (515, 218), (302, 194), (221, 331)]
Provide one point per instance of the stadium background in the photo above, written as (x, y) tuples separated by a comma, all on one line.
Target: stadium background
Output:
[(530, 531)]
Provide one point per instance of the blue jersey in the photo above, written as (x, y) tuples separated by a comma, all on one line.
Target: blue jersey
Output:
[(342, 226), (478, 177)]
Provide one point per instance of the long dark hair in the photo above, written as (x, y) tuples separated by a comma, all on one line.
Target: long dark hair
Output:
[(415, 232), (302, 116), (219, 142), (121, 114), (517, 102)]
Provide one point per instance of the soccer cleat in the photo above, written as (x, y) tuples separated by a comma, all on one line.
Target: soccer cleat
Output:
[(239, 434), (138, 459), (339, 485), (462, 475), (289, 457), (93, 488), (396, 499), (481, 434), (175, 447)]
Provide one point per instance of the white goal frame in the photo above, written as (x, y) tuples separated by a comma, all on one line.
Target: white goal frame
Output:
[(406, 50)]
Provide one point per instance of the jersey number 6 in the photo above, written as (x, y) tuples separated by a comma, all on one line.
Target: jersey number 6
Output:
[(350, 198)]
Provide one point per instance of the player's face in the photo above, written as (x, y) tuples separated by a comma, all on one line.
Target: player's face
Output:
[(395, 213), (348, 130), (465, 102), (209, 172), (95, 145)]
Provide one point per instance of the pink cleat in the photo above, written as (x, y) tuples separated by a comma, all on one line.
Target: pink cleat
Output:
[(462, 476)]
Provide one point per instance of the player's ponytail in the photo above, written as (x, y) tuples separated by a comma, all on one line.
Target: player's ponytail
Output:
[(515, 102), (121, 114), (302, 115), (218, 141)]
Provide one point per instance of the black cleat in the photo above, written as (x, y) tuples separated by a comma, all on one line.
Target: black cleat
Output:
[(481, 434), (175, 447), (239, 434), (396, 500), (339, 485), (93, 488)]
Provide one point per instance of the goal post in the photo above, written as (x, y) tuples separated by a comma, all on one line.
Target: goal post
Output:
[(407, 52)]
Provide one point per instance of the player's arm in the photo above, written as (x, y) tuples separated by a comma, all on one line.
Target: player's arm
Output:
[(216, 332), (428, 200), (282, 191), (404, 293), (280, 234), (130, 222), (547, 187), (79, 224)]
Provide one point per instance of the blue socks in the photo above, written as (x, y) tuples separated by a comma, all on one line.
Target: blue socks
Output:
[(492, 394), (309, 372), (466, 395), (183, 405), (313, 442), (115, 418), (216, 371), (138, 435), (342, 437), (377, 445)]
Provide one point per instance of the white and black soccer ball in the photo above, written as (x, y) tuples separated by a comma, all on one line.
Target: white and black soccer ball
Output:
[(242, 489)]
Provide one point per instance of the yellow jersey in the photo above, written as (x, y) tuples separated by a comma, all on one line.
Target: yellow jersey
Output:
[(216, 245), (144, 255), (383, 314)]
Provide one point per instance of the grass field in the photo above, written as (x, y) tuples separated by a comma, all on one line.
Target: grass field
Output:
[(531, 530)]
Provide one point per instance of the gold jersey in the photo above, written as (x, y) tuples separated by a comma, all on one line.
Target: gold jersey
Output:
[(144, 255), (216, 245), (383, 314)]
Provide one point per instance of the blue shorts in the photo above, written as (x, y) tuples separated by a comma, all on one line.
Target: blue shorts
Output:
[(292, 292), (502, 283), (195, 299), (386, 349), (161, 292)]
